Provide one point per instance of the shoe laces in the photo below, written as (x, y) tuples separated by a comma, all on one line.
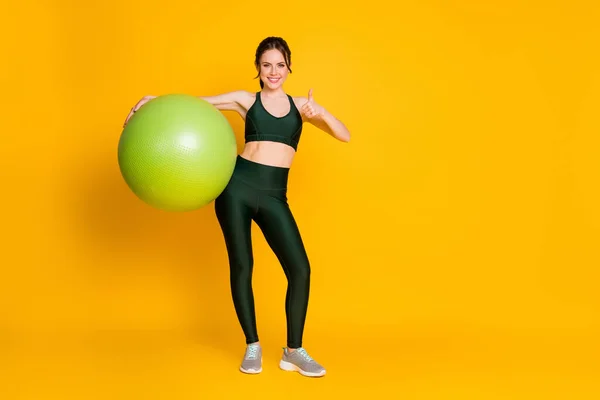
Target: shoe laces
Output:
[(304, 354), (251, 352)]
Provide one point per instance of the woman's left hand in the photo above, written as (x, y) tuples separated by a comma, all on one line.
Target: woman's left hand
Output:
[(311, 109)]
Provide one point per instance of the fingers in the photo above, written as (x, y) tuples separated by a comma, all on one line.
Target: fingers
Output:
[(139, 104), (308, 110), (131, 112)]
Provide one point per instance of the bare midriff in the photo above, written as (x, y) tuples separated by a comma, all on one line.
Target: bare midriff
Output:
[(269, 153)]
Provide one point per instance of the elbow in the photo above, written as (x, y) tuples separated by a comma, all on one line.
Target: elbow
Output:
[(344, 134), (344, 137)]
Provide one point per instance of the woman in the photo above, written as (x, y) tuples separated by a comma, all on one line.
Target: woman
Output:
[(257, 192)]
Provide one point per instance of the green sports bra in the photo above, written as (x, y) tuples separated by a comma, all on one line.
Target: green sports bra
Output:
[(262, 125)]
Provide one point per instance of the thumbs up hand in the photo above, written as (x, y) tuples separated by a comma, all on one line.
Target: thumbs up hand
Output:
[(311, 109)]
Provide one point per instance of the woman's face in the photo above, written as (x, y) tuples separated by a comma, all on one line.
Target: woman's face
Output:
[(273, 69)]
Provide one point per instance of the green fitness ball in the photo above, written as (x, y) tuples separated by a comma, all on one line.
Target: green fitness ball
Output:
[(177, 152)]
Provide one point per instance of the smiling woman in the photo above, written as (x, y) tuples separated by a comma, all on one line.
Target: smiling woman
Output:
[(257, 192), (273, 62)]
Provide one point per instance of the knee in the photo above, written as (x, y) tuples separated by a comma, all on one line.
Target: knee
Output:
[(241, 269), (301, 272)]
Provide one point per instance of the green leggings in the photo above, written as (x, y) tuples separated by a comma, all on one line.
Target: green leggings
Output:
[(258, 192)]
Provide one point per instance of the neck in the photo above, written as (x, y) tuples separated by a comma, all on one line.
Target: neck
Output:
[(273, 92)]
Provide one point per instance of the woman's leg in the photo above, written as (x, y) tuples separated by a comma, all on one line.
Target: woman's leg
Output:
[(277, 223), (234, 212), (279, 227)]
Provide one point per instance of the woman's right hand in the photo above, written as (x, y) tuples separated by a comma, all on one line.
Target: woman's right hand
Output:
[(139, 104)]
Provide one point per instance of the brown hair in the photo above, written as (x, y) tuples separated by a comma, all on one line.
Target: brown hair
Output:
[(272, 42)]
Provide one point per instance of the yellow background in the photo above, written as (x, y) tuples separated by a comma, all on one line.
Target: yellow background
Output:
[(454, 240)]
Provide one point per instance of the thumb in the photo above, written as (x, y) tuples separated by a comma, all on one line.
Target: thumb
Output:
[(310, 95)]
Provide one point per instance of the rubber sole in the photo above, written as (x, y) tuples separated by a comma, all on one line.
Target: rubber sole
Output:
[(287, 366), (251, 371)]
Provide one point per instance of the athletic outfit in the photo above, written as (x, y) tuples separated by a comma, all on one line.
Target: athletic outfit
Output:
[(258, 192)]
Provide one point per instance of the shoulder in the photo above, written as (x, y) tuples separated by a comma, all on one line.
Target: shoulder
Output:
[(299, 101), (245, 98), (244, 95)]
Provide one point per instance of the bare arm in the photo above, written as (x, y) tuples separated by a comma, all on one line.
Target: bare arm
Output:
[(233, 107), (318, 116), (239, 101), (230, 100), (327, 122)]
